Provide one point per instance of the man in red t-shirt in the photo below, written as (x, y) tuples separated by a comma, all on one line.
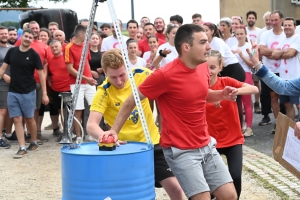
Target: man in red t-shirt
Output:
[(149, 30), (189, 150), (159, 24), (87, 88), (60, 36)]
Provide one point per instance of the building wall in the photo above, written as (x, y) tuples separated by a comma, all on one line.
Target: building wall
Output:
[(230, 8), (287, 8)]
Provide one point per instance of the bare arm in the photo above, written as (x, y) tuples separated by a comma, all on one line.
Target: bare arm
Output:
[(74, 73), (3, 70), (92, 125), (247, 89), (264, 51), (228, 93), (45, 98)]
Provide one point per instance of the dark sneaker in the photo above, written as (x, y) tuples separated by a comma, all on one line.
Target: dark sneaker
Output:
[(257, 109), (265, 120), (4, 144), (274, 129), (32, 147), (12, 137), (41, 138), (57, 132), (20, 154), (39, 142)]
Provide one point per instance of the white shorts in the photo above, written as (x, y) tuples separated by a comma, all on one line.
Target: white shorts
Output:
[(86, 91)]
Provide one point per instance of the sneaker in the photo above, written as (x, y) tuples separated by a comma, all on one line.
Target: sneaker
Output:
[(88, 138), (265, 120), (50, 127), (20, 154), (4, 144), (57, 132), (78, 140), (41, 138), (33, 147), (39, 142), (274, 129), (12, 137), (248, 132), (257, 109)]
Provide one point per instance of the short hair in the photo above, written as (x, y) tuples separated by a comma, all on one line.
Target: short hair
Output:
[(112, 59), (28, 30), (133, 22), (149, 23), (59, 31), (84, 20), (196, 15), (11, 28), (226, 20), (251, 13), (217, 54), (278, 12), (53, 24), (25, 25), (185, 35), (32, 22), (46, 30), (105, 25), (291, 19), (3, 28), (102, 35), (54, 41), (79, 29), (159, 18), (266, 14), (177, 18)]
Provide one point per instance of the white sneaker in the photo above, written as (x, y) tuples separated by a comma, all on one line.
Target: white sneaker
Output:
[(89, 138), (248, 132)]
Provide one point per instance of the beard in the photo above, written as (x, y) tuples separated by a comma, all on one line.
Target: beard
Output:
[(251, 24), (12, 41), (160, 31), (3, 41)]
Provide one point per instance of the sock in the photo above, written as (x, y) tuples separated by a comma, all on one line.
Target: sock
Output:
[(8, 134), (23, 147), (35, 142), (78, 138)]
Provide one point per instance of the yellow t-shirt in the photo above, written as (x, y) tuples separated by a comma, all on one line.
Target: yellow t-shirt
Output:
[(109, 100)]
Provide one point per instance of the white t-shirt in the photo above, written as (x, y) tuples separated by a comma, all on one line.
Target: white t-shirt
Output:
[(223, 48), (252, 34), (244, 52), (112, 43), (139, 63), (290, 68), (232, 41), (298, 30), (170, 57), (271, 41), (264, 29)]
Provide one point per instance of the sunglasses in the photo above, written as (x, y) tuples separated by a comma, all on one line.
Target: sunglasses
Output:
[(173, 25)]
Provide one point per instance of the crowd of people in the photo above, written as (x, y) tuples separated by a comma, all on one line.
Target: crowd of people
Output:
[(196, 74)]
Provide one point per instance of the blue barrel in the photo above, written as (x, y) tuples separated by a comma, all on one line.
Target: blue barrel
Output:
[(123, 174)]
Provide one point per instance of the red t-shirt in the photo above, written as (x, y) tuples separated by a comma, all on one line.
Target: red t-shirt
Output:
[(161, 36), (58, 71), (181, 96), (144, 46), (223, 123), (73, 55), (41, 49)]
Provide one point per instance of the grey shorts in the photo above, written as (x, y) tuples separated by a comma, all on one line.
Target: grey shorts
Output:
[(198, 170), (21, 104), (39, 95), (3, 99), (255, 78)]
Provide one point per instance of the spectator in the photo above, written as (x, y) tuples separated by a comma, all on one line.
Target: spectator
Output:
[(53, 26), (159, 25), (197, 19), (176, 19), (134, 60), (106, 28), (132, 29), (12, 35), (23, 60), (149, 56), (44, 36), (144, 21), (84, 22), (60, 36)]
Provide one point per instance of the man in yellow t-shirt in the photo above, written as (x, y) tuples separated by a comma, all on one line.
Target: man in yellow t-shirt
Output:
[(107, 102)]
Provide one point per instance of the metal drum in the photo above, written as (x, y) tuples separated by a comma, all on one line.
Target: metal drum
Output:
[(125, 173)]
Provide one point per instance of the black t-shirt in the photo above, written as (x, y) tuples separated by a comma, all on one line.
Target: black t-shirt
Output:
[(22, 66), (95, 62)]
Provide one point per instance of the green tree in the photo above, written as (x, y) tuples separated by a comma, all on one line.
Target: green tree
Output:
[(9, 23), (21, 3)]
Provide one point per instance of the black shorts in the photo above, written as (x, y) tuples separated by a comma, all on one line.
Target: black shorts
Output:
[(161, 167), (56, 99)]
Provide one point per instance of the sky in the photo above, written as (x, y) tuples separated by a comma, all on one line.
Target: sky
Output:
[(209, 9)]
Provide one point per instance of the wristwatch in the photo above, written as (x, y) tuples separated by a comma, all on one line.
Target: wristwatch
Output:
[(161, 54)]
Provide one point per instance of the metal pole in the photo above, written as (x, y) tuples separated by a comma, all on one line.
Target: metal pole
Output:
[(132, 9)]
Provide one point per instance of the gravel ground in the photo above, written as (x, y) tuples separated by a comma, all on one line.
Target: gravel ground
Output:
[(38, 175)]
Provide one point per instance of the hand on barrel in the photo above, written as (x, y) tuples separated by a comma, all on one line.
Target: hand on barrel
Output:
[(107, 136)]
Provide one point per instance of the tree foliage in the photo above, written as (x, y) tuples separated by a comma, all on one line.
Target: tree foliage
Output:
[(22, 3)]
